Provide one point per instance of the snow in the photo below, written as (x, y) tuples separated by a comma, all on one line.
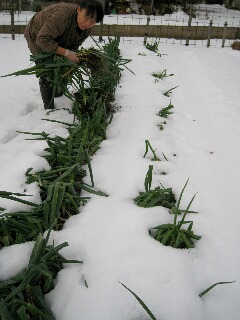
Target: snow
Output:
[(201, 142)]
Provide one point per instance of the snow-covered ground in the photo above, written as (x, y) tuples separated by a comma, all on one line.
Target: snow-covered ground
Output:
[(204, 13), (201, 142)]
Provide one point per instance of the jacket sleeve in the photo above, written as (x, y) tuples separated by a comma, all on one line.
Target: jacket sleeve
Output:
[(52, 28)]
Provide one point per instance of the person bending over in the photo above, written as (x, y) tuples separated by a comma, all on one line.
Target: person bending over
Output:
[(61, 28)]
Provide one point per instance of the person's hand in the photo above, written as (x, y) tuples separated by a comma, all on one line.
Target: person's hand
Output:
[(70, 55)]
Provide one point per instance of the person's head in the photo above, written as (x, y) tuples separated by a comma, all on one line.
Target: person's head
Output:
[(89, 12)]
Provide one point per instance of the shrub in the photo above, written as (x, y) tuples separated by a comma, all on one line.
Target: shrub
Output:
[(236, 45)]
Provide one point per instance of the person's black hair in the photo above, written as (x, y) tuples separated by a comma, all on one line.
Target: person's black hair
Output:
[(93, 8)]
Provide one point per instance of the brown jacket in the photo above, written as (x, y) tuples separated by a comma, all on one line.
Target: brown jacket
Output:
[(54, 26)]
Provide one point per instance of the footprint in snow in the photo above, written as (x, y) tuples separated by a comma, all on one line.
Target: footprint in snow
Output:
[(31, 106)]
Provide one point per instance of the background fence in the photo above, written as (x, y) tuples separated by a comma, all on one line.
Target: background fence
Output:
[(220, 23), (183, 33)]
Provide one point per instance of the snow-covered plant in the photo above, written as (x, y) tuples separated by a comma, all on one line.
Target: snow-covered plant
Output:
[(22, 297), (162, 75), (159, 196), (172, 234), (148, 145), (168, 92), (164, 112)]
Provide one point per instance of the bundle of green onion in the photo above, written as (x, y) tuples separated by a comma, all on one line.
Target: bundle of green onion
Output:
[(63, 74)]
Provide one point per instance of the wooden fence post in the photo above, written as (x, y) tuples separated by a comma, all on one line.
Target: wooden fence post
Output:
[(224, 34), (238, 33), (188, 30), (12, 22), (146, 33), (103, 2), (101, 31), (209, 33)]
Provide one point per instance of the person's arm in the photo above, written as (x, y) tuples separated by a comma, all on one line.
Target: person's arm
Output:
[(70, 55), (52, 30)]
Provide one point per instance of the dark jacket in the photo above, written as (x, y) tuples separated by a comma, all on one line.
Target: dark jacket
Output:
[(54, 26)]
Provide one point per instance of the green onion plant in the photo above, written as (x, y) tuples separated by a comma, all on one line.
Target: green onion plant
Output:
[(161, 75), (212, 286), (159, 196), (94, 79), (141, 302), (148, 145), (165, 112), (168, 92), (22, 297), (173, 234)]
